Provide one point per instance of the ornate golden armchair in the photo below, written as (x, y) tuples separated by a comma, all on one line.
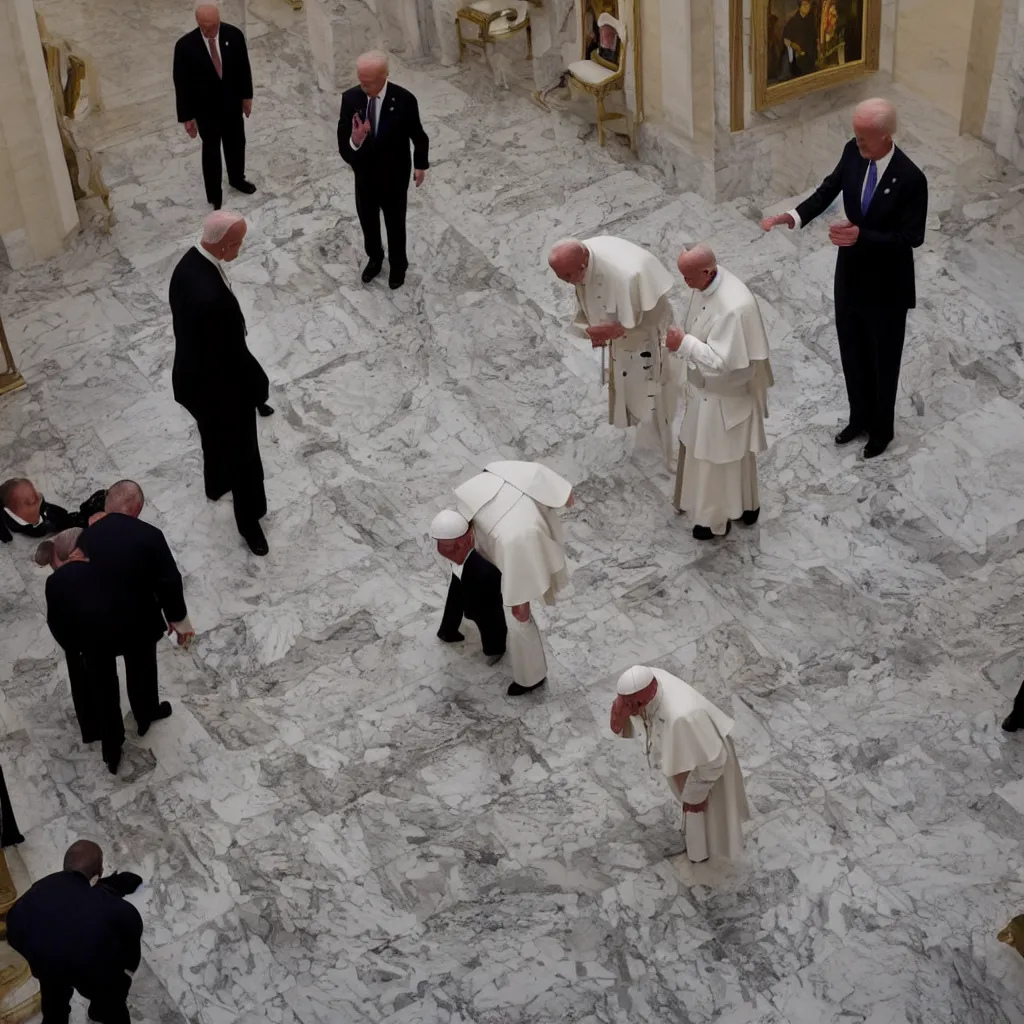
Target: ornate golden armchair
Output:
[(602, 67), (496, 21)]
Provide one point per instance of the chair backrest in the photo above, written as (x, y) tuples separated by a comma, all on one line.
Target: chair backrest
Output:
[(609, 51)]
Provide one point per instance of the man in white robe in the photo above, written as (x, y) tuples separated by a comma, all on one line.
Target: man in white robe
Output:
[(511, 507), (622, 299), (728, 374), (688, 738)]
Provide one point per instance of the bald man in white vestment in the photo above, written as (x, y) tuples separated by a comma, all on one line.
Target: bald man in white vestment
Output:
[(688, 738), (622, 300), (512, 509), (728, 374)]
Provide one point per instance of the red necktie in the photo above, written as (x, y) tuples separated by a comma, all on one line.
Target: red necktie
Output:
[(217, 66)]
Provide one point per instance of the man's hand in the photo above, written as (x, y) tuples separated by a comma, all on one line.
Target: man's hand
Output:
[(844, 233), (674, 338), (96, 517), (696, 808), (192, 128), (780, 218), (184, 639), (418, 177), (601, 334), (620, 715), (247, 107), (571, 500), (521, 612), (360, 129)]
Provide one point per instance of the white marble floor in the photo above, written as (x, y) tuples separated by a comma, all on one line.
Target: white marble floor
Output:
[(345, 820)]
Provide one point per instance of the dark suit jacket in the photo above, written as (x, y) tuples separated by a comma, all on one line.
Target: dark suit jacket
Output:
[(133, 557), (382, 162), (477, 597), (215, 376), (66, 928), (878, 270), (198, 93), (86, 615)]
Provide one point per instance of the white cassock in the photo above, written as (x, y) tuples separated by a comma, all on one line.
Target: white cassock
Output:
[(625, 284), (512, 508), (727, 379), (688, 733)]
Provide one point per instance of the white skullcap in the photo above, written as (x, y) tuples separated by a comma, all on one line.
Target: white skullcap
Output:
[(635, 679), (449, 525)]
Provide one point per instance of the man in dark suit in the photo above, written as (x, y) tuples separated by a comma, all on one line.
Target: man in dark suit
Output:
[(24, 510), (212, 90), (475, 589), (78, 935), (886, 200), (378, 121), (215, 376)]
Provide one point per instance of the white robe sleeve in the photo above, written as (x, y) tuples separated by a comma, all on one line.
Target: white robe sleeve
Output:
[(580, 322)]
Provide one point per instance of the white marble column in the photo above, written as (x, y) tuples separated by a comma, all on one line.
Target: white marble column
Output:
[(37, 207)]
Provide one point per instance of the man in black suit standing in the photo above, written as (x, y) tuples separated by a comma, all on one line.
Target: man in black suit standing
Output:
[(78, 936), (378, 121), (886, 200), (212, 90), (215, 376)]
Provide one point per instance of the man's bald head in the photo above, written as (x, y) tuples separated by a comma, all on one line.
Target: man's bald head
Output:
[(85, 857), (698, 265), (223, 234), (125, 497), (874, 124), (208, 18), (569, 259), (372, 71)]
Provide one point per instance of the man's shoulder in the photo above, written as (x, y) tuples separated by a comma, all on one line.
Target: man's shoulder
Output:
[(399, 91), (187, 40), (227, 29), (354, 96), (900, 160)]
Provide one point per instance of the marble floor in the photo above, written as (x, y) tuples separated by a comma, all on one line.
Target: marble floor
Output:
[(346, 821)]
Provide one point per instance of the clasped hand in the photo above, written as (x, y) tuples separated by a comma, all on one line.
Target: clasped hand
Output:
[(184, 639), (601, 334), (521, 612), (360, 130), (843, 233)]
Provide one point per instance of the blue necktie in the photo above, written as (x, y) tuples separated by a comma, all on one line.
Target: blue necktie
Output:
[(869, 187)]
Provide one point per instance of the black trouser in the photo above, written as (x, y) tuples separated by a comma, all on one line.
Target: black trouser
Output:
[(97, 696), (89, 715), (231, 462), (370, 204), (871, 347), (492, 626), (140, 681), (227, 130), (1018, 707), (107, 998)]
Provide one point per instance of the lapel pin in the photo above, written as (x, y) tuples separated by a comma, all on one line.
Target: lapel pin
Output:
[(886, 192)]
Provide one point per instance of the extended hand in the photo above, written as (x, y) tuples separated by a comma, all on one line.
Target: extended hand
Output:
[(696, 808), (780, 218), (674, 339), (620, 715), (184, 639), (360, 129), (418, 177), (192, 128), (601, 334), (521, 612), (96, 517), (247, 107), (844, 233)]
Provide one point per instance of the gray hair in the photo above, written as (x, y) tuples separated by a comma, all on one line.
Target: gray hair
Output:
[(200, 4), (880, 113), (218, 224), (124, 496), (65, 543), (372, 57)]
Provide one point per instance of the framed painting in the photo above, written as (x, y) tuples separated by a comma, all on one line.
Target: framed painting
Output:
[(803, 46)]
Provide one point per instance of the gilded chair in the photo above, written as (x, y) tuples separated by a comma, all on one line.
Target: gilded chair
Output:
[(496, 21), (602, 67)]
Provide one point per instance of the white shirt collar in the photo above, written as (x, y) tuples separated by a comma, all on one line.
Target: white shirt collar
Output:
[(715, 284), (18, 519)]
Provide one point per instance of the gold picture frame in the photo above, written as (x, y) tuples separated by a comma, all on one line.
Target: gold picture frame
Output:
[(805, 46)]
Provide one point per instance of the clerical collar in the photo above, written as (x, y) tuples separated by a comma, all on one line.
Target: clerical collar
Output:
[(713, 287), (17, 519)]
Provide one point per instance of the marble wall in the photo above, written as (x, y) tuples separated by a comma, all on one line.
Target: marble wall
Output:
[(37, 208), (1004, 118)]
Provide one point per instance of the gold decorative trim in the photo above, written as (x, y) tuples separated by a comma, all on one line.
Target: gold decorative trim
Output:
[(766, 95), (737, 81), (10, 379)]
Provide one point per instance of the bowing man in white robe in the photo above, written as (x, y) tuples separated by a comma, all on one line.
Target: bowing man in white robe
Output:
[(688, 738), (622, 299), (511, 506), (728, 374)]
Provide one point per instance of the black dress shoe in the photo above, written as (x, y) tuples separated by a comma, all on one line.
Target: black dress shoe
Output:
[(113, 763), (848, 434), (874, 448), (216, 203), (264, 410), (371, 270), (706, 533), (396, 280), (515, 690), (451, 638), (121, 883), (163, 711), (256, 540), (1011, 724), (243, 186), (749, 516)]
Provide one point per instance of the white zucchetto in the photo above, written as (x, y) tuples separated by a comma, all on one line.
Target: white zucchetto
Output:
[(448, 525), (635, 679)]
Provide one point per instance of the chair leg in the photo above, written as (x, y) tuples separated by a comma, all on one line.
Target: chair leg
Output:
[(600, 120), (529, 42)]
